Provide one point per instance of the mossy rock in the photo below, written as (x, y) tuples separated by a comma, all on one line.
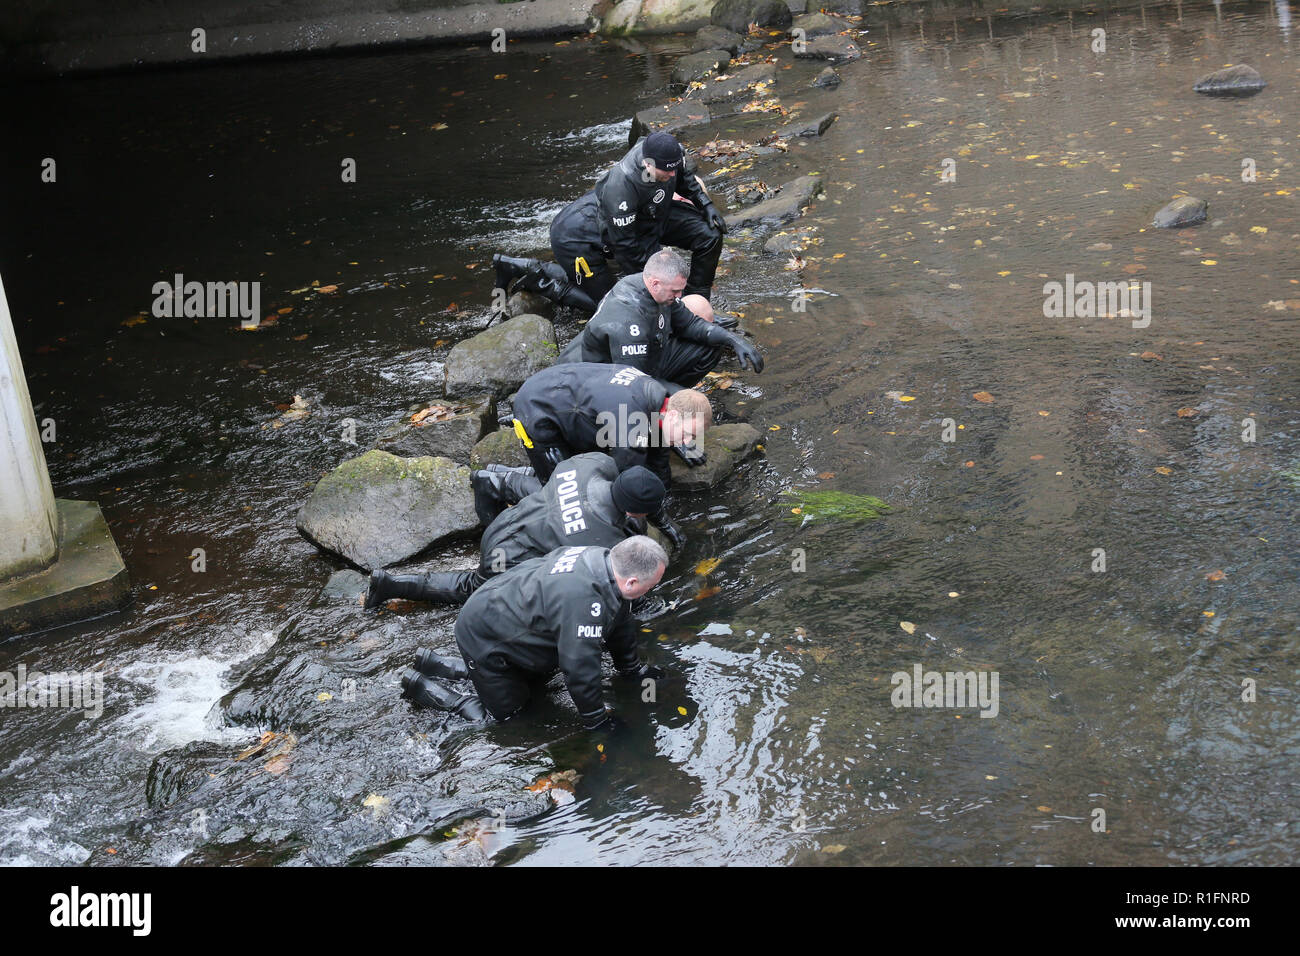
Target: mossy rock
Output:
[(378, 509)]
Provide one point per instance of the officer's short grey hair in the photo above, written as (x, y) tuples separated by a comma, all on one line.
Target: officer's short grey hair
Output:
[(666, 264), (637, 557)]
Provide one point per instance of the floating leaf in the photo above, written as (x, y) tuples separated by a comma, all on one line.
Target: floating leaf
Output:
[(328, 288), (1215, 576), (707, 592), (907, 626), (705, 567), (1164, 470), (984, 397)]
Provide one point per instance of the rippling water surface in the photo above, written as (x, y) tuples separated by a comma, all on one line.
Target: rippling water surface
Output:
[(776, 742)]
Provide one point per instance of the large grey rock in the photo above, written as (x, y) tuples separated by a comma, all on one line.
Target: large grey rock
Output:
[(500, 359), (1184, 211), (501, 447), (818, 25), (451, 431), (720, 38), (837, 49), (737, 15), (827, 79), (738, 85), (379, 509), (814, 126), (725, 447), (699, 65), (668, 119), (788, 204), (797, 6), (1239, 80)]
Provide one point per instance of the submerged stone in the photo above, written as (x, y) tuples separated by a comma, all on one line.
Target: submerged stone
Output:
[(1240, 80), (1184, 211), (810, 504), (827, 79)]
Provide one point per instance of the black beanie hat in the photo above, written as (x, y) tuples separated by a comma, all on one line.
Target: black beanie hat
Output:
[(637, 491), (664, 150)]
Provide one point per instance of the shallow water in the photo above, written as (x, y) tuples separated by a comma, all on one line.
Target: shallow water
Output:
[(777, 742)]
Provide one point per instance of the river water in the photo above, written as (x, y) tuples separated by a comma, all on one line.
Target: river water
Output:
[(776, 741)]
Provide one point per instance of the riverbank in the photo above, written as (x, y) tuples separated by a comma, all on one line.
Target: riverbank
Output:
[(44, 37)]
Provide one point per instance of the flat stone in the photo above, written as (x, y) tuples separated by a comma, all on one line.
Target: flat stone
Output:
[(1184, 211), (500, 447), (818, 25), (87, 579), (797, 6), (346, 586), (725, 447), (668, 119), (1239, 80), (379, 509), (788, 204), (837, 49), (737, 85), (827, 79), (447, 437), (696, 66), (737, 15), (501, 358), (807, 127)]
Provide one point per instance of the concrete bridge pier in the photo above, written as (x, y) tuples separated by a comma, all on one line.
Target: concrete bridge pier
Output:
[(58, 560)]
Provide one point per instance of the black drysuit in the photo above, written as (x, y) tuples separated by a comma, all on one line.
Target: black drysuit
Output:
[(548, 613), (577, 407), (629, 216), (574, 507), (666, 340)]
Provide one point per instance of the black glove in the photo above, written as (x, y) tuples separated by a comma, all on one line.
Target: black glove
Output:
[(634, 524), (692, 454), (665, 524), (748, 356), (716, 219)]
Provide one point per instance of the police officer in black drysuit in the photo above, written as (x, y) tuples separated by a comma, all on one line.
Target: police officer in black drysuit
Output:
[(548, 613), (568, 409), (587, 501), (629, 216), (642, 322)]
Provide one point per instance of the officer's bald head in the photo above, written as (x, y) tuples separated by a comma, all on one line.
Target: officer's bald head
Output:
[(638, 563)]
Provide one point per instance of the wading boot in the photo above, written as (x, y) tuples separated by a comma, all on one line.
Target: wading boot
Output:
[(545, 278), (438, 587), (426, 692), (435, 665)]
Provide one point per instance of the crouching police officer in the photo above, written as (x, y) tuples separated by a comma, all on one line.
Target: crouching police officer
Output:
[(644, 323), (633, 211), (578, 407), (587, 501), (555, 612)]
